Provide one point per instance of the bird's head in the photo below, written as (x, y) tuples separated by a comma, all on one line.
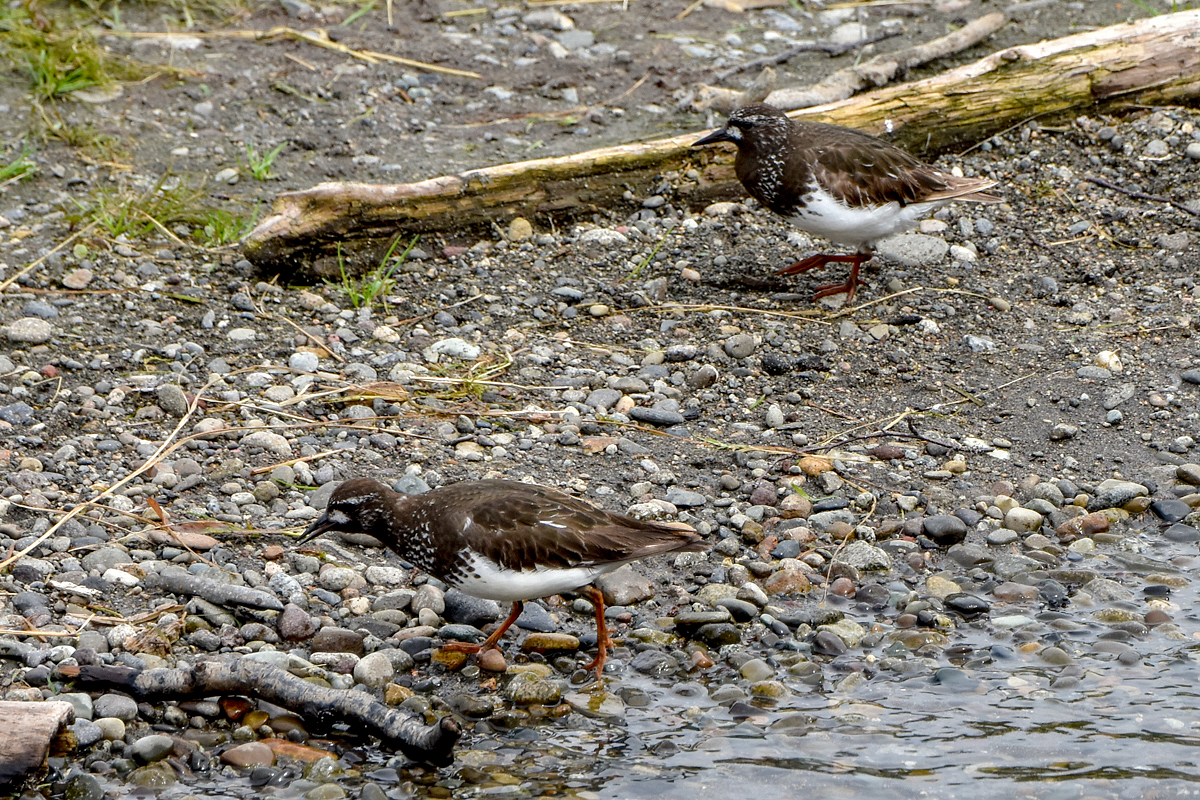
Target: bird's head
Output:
[(353, 508), (750, 126)]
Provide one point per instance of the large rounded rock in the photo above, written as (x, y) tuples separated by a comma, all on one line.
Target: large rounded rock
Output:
[(1023, 520), (944, 529), (151, 748), (374, 670)]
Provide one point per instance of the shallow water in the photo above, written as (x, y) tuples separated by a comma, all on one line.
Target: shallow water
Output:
[(999, 732), (980, 714), (993, 721)]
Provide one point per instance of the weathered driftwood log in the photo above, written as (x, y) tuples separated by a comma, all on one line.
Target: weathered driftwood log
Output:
[(1151, 61), (30, 733), (430, 744)]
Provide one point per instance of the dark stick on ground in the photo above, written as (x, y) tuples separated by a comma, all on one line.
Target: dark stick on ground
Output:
[(1142, 195), (804, 47), (430, 744)]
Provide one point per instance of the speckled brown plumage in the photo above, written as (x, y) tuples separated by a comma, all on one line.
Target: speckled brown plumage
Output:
[(847, 186), (502, 540)]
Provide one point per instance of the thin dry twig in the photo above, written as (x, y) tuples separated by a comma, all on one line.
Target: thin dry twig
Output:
[(481, 382), (310, 336), (164, 525), (36, 633), (148, 616), (915, 289), (1141, 195), (290, 461), (47, 634), (165, 231)]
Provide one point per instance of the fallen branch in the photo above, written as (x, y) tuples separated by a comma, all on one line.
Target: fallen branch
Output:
[(1152, 61), (828, 48), (179, 581), (844, 83), (431, 744)]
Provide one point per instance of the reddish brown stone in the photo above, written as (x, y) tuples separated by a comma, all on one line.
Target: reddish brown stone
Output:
[(765, 547), (787, 581), (597, 444), (1086, 525), (250, 754), (492, 660), (840, 531), (235, 707), (886, 452), (298, 752), (843, 587)]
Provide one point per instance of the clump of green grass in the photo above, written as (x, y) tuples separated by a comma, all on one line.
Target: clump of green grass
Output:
[(169, 202), (260, 165), (86, 137), (58, 50), (222, 227), (17, 169), (54, 78), (363, 292)]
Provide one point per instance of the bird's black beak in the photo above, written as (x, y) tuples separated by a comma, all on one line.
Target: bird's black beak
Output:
[(322, 524), (719, 135)]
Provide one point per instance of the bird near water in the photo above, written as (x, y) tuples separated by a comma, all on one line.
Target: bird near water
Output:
[(503, 540), (841, 184)]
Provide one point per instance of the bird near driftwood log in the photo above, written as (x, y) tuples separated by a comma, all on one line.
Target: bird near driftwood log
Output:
[(503, 540), (838, 183)]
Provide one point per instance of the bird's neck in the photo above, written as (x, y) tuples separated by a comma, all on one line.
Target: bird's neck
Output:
[(763, 175)]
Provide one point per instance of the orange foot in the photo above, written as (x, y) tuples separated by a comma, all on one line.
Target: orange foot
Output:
[(820, 260)]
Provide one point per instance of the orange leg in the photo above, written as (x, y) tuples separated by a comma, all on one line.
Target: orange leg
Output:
[(820, 260), (491, 641), (603, 643), (812, 262)]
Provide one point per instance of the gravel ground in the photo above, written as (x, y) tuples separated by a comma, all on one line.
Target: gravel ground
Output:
[(1005, 424)]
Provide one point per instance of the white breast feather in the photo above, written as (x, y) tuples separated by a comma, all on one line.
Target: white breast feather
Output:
[(484, 578), (829, 217)]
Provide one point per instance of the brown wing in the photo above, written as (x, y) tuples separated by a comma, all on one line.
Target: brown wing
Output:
[(524, 525), (860, 169)]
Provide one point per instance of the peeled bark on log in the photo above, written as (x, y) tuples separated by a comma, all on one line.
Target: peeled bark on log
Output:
[(430, 744), (1148, 62)]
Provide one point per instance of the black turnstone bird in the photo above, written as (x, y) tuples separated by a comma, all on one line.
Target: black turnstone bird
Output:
[(846, 186), (503, 540)]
